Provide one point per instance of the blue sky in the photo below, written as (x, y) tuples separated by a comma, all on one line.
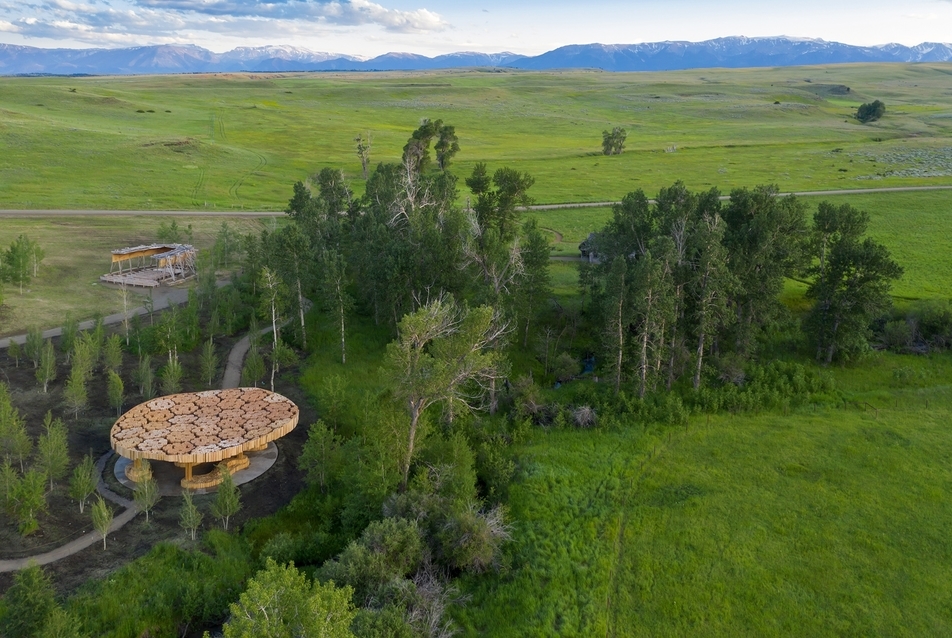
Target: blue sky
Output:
[(372, 27)]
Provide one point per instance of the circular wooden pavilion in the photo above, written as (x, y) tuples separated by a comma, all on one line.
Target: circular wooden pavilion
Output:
[(202, 427)]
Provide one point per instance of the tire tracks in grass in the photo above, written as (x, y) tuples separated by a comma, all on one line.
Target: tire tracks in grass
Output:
[(199, 185), (233, 191)]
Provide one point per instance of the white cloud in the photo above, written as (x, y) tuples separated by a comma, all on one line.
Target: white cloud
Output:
[(336, 12)]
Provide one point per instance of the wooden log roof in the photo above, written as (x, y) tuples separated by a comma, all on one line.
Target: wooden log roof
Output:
[(203, 427)]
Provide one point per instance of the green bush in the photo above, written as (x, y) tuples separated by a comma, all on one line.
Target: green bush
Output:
[(870, 112), (167, 590)]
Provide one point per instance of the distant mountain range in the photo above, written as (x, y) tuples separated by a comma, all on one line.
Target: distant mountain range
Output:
[(733, 52)]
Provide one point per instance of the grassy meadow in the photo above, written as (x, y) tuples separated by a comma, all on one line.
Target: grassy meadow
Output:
[(237, 141), (77, 253), (830, 521)]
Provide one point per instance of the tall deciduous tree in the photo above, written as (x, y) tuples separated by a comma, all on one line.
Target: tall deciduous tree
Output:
[(146, 492), (46, 371), (30, 500), (273, 302), (710, 287), (613, 142), (280, 603), (293, 261), (535, 285), (83, 482), (617, 310), (852, 278), (227, 499), (190, 517), (766, 241), (115, 390), (208, 362), (18, 262), (102, 518), (52, 449), (364, 144), (438, 351), (321, 454)]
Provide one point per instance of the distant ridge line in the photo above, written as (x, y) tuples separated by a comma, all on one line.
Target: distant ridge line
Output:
[(730, 52)]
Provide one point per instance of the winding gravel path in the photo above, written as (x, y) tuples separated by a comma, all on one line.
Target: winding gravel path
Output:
[(230, 379)]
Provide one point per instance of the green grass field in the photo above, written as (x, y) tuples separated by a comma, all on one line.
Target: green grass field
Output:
[(77, 253), (233, 141), (915, 226), (826, 522)]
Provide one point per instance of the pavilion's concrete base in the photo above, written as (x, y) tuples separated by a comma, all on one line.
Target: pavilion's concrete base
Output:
[(169, 477)]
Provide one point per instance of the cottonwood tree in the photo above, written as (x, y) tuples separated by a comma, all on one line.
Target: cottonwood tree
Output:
[(335, 283), (364, 143), (711, 286), (83, 482), (652, 308), (146, 492), (33, 346), (208, 362), (29, 499), (46, 371), (534, 286), (170, 379), (416, 152), (227, 246), (18, 261), (499, 199), (145, 377), (766, 241), (102, 518), (446, 147), (439, 350), (851, 283), (15, 351), (227, 499), (871, 111), (618, 310), (52, 449), (321, 455), (115, 391), (613, 142), (112, 353), (280, 602), (292, 258), (190, 517), (273, 301)]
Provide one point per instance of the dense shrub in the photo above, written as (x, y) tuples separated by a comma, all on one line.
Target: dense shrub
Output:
[(871, 111), (167, 590)]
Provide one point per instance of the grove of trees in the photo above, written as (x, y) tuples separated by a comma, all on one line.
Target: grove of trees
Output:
[(461, 347)]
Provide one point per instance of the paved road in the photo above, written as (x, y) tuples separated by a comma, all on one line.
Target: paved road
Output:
[(207, 213)]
